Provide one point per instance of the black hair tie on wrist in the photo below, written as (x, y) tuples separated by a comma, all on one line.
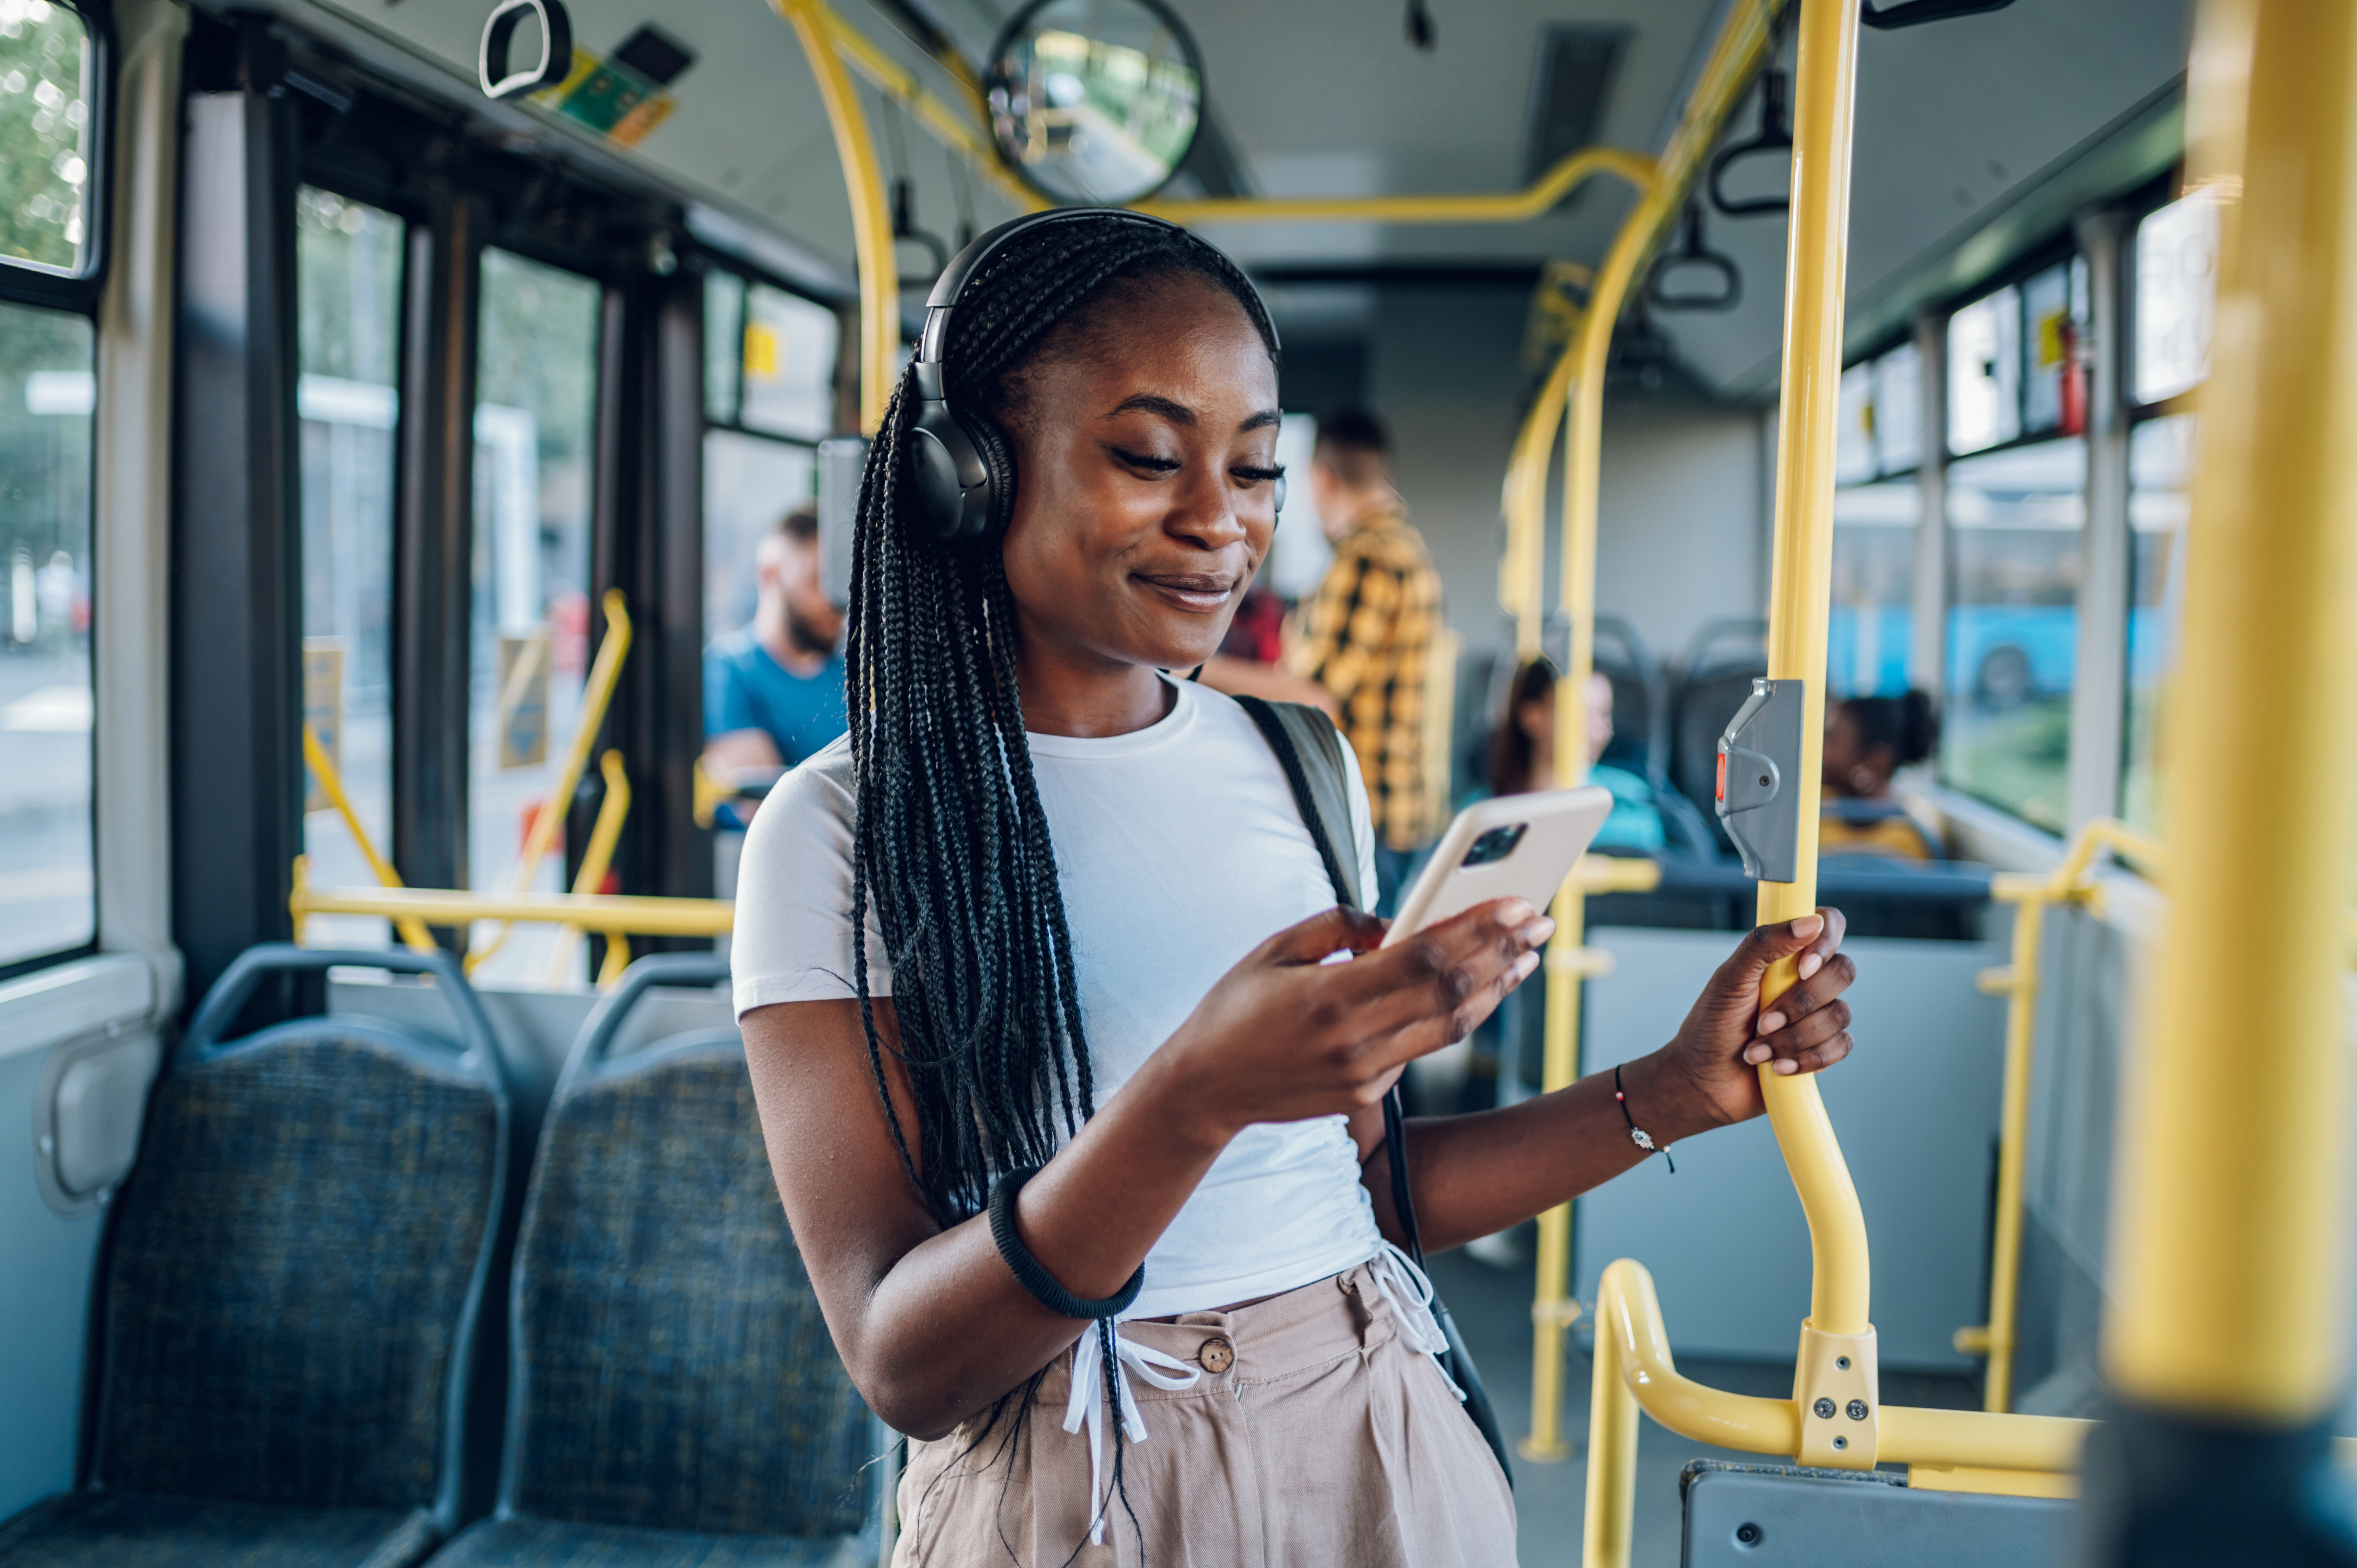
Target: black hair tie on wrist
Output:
[(1026, 1268), (1637, 1134)]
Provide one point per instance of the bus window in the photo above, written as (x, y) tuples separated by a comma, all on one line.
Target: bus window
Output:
[(2014, 520), (348, 288), (1873, 588), (1876, 510), (1985, 373), (748, 484), (2160, 471), (48, 396), (536, 428), (789, 380), (2176, 277), (769, 359), (45, 137)]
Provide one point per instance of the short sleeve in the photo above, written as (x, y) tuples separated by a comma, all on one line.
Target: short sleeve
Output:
[(726, 706), (792, 937)]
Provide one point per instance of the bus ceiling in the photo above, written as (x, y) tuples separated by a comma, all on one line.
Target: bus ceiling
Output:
[(1302, 104)]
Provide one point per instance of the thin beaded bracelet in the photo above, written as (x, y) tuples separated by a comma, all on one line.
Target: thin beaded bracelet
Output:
[(1637, 1134), (1026, 1268)]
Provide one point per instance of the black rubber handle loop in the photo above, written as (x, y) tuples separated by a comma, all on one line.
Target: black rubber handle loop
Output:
[(1915, 12)]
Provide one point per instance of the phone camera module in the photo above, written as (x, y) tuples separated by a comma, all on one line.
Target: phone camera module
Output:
[(1496, 844)]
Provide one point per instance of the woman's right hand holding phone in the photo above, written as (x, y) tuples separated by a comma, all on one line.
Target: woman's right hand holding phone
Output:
[(1285, 1036)]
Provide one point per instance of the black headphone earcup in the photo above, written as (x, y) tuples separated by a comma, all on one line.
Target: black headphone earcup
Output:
[(997, 454)]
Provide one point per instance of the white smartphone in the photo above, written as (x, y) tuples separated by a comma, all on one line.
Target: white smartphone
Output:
[(1511, 847)]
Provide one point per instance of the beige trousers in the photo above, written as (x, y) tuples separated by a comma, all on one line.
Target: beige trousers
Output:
[(1316, 1437)]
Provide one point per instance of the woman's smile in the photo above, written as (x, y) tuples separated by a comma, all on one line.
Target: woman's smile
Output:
[(1197, 593)]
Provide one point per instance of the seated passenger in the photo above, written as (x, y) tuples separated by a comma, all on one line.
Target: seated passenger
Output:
[(1522, 758), (1869, 739), (773, 689), (1030, 970)]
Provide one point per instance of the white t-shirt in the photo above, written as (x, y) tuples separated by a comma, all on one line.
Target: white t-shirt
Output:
[(1179, 849)]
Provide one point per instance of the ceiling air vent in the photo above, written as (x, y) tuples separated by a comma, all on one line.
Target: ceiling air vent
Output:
[(1576, 64)]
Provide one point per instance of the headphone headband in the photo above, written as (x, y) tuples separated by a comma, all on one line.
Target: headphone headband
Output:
[(961, 466)]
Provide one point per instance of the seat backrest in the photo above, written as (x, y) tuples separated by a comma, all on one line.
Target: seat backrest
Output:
[(671, 1370), (1639, 696), (300, 1255)]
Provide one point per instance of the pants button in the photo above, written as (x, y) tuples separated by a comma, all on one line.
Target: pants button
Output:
[(1217, 1354)]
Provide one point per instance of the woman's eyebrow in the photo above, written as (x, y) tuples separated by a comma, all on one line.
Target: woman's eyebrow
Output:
[(1146, 402), (1261, 421)]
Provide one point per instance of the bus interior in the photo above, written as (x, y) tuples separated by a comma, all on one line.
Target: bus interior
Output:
[(395, 397)]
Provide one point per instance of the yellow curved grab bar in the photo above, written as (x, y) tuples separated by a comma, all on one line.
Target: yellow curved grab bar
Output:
[(1538, 198), (2070, 881), (821, 33), (597, 696), (1634, 1370), (597, 860), (331, 784)]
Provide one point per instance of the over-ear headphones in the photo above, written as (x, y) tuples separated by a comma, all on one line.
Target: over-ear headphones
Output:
[(961, 465)]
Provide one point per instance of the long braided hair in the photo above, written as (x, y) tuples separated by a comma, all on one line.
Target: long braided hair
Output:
[(950, 848)]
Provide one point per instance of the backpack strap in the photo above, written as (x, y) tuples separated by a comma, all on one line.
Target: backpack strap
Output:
[(1309, 748)]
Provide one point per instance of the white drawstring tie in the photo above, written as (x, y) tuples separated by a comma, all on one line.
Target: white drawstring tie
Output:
[(1409, 1290), (1087, 1405)]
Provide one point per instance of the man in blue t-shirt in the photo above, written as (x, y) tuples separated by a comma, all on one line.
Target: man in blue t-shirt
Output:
[(773, 689)]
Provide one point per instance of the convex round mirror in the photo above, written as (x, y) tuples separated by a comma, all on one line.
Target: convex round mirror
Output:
[(1095, 100)]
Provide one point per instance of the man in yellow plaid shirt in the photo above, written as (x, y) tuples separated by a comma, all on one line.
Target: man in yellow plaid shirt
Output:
[(1366, 637)]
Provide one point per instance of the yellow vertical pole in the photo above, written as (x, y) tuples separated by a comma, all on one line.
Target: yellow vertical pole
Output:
[(1609, 1525), (1799, 601), (2230, 1228), (1551, 1306), (2004, 1252), (871, 218), (1578, 381)]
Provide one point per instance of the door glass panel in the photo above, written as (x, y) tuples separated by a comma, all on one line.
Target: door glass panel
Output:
[(347, 296), (45, 137), (749, 484), (48, 396), (789, 346), (2160, 471), (535, 432), (2015, 522), (1873, 588)]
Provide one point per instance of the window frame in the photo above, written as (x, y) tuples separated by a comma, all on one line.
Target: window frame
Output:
[(2057, 250), (77, 294), (23, 284)]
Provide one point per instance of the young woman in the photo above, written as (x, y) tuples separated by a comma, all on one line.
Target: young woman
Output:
[(1869, 739), (1092, 990)]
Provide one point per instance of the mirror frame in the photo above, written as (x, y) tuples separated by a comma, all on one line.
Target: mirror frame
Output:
[(992, 82)]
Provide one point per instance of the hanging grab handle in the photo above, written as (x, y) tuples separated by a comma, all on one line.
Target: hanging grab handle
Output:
[(1775, 135), (1693, 252), (1915, 12)]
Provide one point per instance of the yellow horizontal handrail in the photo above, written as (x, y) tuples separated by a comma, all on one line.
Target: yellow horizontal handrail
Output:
[(606, 913), (966, 133), (1538, 198), (1634, 1370)]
